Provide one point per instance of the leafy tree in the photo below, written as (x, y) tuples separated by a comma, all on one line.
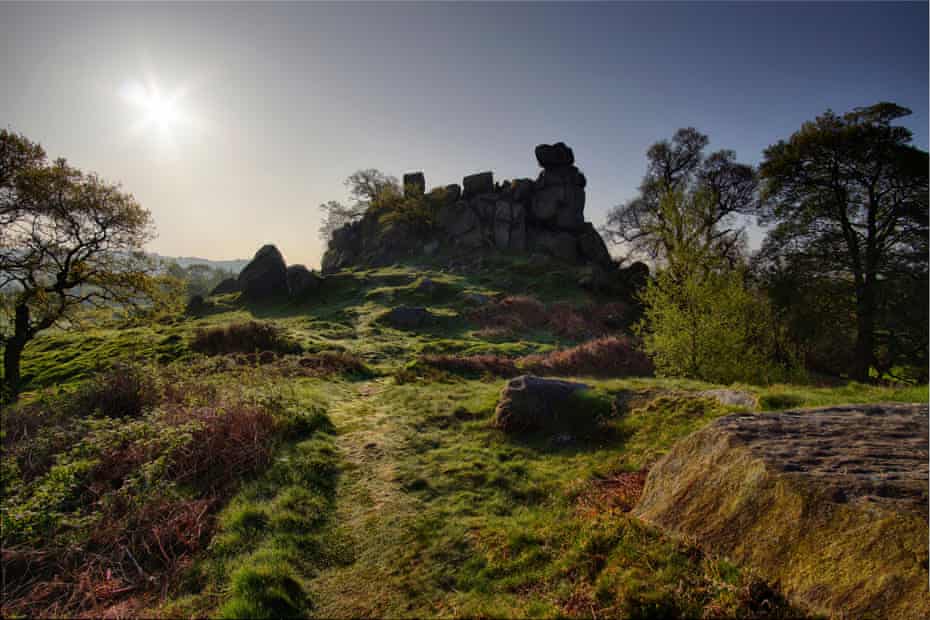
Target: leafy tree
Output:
[(848, 198), (700, 319), (365, 186), (68, 241), (680, 167)]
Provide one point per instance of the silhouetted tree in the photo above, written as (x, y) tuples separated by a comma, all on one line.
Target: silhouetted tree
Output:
[(68, 240), (365, 186), (679, 167), (848, 198)]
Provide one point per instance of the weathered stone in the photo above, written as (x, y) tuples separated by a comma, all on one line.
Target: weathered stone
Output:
[(301, 281), (592, 246), (529, 403), (453, 192), (820, 501), (558, 154), (509, 226), (475, 184), (265, 276), (406, 317), (522, 190), (229, 285), (414, 184), (561, 245)]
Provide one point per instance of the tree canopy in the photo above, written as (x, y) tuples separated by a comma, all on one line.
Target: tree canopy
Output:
[(68, 240), (847, 196), (712, 189)]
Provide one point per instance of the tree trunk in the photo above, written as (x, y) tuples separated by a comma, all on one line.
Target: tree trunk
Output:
[(865, 333), (12, 355)]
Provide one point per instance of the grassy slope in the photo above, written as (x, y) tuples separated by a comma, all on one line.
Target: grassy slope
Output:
[(429, 510)]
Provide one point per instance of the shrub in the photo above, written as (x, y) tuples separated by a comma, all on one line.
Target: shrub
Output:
[(521, 312), (126, 390), (119, 505), (705, 324), (474, 364), (243, 338), (610, 356)]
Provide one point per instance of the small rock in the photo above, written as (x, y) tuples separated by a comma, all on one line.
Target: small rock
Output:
[(301, 281), (732, 398), (551, 155)]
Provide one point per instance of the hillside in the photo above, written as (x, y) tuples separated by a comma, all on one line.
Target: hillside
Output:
[(363, 472)]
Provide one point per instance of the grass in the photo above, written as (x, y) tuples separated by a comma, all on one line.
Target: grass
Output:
[(388, 492)]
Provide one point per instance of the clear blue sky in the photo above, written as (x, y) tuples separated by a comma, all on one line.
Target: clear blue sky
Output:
[(282, 101)]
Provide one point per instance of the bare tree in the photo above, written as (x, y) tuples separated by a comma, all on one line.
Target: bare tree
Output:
[(720, 185), (365, 186)]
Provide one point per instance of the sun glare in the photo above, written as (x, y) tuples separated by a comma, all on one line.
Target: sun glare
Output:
[(162, 113)]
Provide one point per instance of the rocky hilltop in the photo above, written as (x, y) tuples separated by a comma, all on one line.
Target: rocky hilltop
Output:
[(521, 215)]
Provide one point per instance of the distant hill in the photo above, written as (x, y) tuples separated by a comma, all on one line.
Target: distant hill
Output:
[(235, 265)]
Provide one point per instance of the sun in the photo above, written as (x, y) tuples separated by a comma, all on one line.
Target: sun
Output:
[(162, 112)]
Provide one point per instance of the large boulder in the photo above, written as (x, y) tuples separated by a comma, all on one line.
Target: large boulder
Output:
[(592, 246), (830, 503), (529, 403), (229, 285), (301, 281), (551, 155), (476, 184), (265, 276)]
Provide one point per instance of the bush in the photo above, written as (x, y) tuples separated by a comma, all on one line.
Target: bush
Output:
[(243, 338), (126, 390), (610, 356), (474, 364), (705, 324)]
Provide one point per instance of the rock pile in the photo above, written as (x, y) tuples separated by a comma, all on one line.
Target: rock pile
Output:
[(544, 216), (267, 276)]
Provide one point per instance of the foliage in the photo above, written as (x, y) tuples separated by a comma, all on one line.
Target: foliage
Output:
[(709, 191), (197, 278), (243, 338), (97, 507), (68, 240), (365, 187), (707, 325), (848, 198)]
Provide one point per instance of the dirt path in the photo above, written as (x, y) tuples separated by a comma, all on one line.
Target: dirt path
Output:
[(370, 507)]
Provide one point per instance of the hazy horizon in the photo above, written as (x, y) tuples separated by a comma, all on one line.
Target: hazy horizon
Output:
[(263, 110)]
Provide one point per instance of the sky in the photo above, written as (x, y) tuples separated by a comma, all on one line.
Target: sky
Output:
[(232, 123)]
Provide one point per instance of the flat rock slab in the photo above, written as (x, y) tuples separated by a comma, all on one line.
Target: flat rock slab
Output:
[(831, 503)]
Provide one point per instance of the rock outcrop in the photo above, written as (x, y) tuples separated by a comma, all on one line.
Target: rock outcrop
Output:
[(528, 403), (830, 503), (267, 276), (544, 216), (301, 281)]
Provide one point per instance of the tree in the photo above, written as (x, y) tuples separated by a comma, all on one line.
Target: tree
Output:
[(365, 186), (700, 319), (848, 198), (680, 167), (68, 241)]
